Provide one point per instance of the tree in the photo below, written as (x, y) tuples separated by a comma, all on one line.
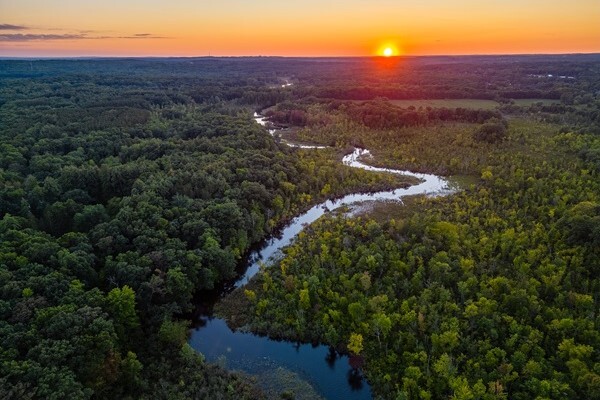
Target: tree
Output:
[(355, 343), (381, 325), (491, 132), (89, 217), (304, 296), (121, 302)]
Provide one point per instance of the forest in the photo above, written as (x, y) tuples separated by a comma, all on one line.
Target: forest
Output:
[(129, 187)]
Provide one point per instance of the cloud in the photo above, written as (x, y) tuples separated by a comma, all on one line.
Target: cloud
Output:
[(31, 37), (10, 27), (81, 35), (142, 36), (26, 37)]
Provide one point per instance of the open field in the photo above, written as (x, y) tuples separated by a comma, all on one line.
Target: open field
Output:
[(448, 103), (466, 103), (529, 102)]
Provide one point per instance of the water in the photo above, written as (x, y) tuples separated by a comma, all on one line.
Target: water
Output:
[(328, 373), (262, 120)]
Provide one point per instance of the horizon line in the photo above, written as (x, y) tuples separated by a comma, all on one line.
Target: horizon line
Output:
[(73, 57)]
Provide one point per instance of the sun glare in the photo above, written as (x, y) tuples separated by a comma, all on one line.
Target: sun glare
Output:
[(388, 49)]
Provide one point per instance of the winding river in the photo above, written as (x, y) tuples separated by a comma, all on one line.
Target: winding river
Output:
[(306, 369)]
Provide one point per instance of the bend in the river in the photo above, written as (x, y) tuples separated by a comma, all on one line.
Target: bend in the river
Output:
[(327, 372)]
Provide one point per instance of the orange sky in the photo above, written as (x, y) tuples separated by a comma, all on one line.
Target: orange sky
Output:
[(296, 28)]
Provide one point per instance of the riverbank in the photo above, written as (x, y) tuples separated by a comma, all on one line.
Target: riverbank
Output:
[(218, 342)]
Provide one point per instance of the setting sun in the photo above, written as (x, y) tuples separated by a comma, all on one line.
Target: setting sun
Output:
[(33, 28), (388, 48)]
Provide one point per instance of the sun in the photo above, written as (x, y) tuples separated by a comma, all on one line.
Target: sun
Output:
[(388, 49)]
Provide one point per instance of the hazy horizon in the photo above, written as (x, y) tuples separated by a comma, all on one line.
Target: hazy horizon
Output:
[(74, 57)]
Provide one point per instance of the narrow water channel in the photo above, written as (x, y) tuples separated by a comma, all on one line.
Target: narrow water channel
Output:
[(323, 372)]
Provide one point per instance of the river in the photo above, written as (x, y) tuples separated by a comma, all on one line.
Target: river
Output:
[(306, 369)]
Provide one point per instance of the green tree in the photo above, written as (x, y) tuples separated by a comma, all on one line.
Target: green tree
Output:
[(121, 302), (355, 343)]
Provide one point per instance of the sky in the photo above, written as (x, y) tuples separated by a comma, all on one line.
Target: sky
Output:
[(49, 28)]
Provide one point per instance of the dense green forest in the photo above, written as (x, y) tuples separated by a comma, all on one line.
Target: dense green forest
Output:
[(491, 292), (127, 186)]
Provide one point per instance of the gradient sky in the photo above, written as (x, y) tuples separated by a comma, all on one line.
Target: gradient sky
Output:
[(296, 28)]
